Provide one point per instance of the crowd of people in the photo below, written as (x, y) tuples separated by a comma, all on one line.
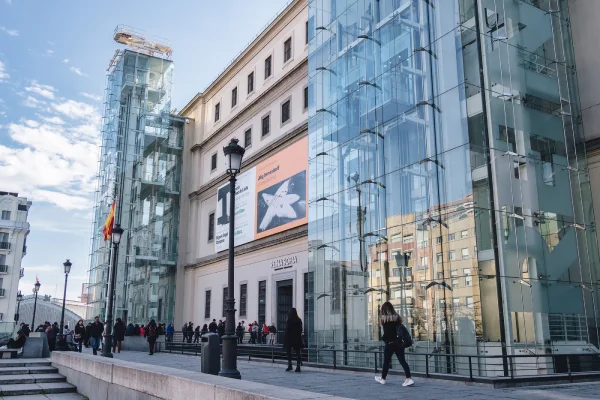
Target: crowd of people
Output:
[(395, 336)]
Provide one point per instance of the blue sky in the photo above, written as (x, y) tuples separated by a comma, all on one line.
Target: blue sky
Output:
[(53, 60)]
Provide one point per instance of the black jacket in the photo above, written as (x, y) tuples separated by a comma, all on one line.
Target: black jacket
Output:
[(119, 331), (96, 330), (293, 333), (212, 327), (80, 330), (389, 329)]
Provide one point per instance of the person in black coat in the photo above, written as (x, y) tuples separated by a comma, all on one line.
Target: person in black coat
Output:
[(197, 334), (240, 332), (190, 332), (118, 335), (293, 338), (80, 334), (212, 327)]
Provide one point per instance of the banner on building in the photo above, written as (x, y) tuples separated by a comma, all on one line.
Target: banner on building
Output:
[(270, 198)]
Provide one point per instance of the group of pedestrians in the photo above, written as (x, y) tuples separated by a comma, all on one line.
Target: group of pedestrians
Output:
[(258, 333)]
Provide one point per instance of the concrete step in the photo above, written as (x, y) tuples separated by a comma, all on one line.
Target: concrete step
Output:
[(25, 362), (31, 378), (36, 388), (28, 370)]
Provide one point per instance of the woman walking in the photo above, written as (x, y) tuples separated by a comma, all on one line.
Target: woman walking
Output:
[(118, 335), (79, 336), (293, 338), (197, 334), (392, 324)]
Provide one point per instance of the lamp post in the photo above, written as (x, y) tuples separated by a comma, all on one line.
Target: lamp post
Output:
[(19, 298), (233, 153), (116, 239), (36, 289), (67, 264)]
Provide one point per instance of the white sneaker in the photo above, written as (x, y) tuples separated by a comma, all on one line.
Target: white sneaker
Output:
[(380, 380), (408, 382)]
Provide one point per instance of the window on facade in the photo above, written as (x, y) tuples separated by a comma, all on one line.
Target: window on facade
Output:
[(2, 259), (248, 138), (452, 255), (438, 240), (213, 162), (3, 237), (306, 97), (266, 126), (464, 234), (22, 207), (336, 281), (468, 277), (234, 97), (243, 299), (217, 111), (268, 67), (287, 50), (439, 257), (396, 272), (285, 111), (207, 304), (211, 226), (224, 301), (250, 82), (309, 287), (408, 239), (5, 215), (451, 236), (306, 33), (464, 253), (262, 302), (454, 282), (469, 301), (424, 261)]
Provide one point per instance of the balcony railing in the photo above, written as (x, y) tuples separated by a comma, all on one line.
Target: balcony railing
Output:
[(4, 245), (3, 269), (2, 292)]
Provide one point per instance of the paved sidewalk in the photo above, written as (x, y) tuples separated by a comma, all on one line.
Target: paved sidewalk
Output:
[(360, 386)]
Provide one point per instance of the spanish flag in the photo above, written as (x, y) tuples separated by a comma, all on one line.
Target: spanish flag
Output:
[(108, 225)]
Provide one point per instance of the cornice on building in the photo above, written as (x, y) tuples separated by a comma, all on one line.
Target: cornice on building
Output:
[(262, 40), (273, 240)]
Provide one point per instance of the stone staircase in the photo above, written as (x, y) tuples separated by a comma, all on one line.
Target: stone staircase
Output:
[(33, 376)]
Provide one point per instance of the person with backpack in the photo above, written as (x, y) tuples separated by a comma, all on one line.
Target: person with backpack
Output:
[(150, 332), (396, 339)]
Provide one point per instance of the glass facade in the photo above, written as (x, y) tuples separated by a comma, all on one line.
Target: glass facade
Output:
[(140, 166), (448, 177)]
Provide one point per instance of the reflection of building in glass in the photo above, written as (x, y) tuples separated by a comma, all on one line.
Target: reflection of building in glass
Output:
[(446, 176), (140, 166)]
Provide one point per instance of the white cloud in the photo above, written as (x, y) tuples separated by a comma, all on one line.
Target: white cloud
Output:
[(9, 32), (9, 2), (76, 110), (32, 102), (66, 61), (46, 91), (3, 74), (78, 71), (57, 160), (52, 120), (91, 96), (48, 52)]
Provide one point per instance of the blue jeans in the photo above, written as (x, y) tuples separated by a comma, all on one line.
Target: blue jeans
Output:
[(95, 343)]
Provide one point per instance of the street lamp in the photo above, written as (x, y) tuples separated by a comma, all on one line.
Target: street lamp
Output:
[(233, 153), (36, 289), (116, 239), (19, 299), (67, 264)]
